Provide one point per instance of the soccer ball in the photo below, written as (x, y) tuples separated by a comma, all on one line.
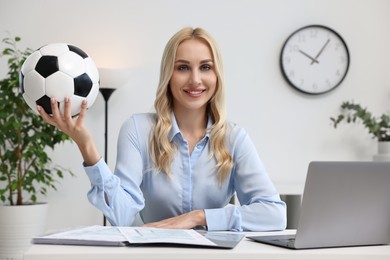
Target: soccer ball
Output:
[(59, 70)]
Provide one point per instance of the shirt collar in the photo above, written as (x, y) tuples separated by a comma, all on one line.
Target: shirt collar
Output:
[(175, 128)]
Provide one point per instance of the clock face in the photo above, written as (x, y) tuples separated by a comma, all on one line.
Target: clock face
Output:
[(314, 59)]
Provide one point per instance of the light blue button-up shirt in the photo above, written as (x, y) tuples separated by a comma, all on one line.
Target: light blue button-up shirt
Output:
[(136, 187)]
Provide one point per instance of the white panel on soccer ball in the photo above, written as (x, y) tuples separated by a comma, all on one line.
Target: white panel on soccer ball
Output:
[(92, 95), (54, 49), (59, 85), (30, 62), (72, 64), (76, 102), (92, 70), (30, 103), (34, 85)]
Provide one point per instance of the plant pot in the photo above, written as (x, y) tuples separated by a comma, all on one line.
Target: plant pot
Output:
[(383, 152), (18, 224)]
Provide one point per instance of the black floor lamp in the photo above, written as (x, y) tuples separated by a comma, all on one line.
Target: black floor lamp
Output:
[(106, 93)]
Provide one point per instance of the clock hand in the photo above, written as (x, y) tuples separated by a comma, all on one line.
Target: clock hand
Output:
[(322, 49), (310, 57)]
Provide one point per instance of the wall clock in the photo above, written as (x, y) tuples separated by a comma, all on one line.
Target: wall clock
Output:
[(314, 59)]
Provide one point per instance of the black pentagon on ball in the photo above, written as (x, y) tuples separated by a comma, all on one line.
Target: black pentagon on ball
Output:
[(47, 65), (82, 85), (45, 103), (78, 51), (21, 82)]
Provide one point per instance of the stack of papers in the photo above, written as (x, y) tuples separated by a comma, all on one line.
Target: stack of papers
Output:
[(122, 236)]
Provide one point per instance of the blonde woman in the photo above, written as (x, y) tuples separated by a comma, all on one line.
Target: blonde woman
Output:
[(179, 167)]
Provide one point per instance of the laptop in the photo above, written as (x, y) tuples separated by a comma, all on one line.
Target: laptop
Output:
[(344, 204)]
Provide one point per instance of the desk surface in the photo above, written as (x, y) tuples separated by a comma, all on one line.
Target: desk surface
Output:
[(247, 249)]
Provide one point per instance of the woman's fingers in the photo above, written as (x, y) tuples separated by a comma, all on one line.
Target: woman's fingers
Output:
[(55, 109), (48, 119), (84, 106), (184, 221), (64, 122), (67, 109)]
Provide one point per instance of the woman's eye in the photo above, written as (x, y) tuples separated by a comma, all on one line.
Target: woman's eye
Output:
[(182, 67), (205, 67)]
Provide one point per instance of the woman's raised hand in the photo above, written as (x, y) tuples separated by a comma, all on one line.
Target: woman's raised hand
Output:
[(73, 127)]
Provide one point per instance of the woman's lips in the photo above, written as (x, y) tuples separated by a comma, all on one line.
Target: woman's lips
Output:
[(194, 92)]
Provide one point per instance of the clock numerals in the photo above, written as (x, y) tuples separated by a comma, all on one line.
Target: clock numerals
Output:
[(287, 60), (301, 82), (301, 38), (293, 48), (313, 33), (328, 83), (291, 74), (343, 59), (338, 45)]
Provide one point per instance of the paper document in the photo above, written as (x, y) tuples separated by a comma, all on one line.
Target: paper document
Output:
[(93, 235), (155, 235), (120, 236)]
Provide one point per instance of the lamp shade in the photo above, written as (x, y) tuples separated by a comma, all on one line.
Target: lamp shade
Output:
[(112, 78)]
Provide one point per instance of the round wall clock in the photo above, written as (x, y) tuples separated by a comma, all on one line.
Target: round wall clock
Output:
[(314, 59)]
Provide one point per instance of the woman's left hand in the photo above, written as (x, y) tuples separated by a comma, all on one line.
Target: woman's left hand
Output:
[(184, 221)]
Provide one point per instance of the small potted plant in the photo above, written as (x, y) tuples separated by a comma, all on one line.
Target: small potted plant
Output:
[(25, 167), (378, 127)]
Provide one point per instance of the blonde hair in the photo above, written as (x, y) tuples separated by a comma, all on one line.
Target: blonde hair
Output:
[(163, 150)]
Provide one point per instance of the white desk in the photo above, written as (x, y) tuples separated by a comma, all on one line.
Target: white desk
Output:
[(247, 249)]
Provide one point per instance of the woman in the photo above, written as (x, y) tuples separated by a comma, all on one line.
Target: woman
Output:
[(179, 167)]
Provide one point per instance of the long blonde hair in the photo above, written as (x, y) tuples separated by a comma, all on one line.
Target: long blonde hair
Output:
[(163, 150)]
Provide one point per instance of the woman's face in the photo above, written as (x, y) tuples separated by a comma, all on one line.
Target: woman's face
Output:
[(193, 81)]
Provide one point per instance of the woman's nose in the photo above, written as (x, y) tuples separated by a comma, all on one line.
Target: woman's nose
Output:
[(195, 79)]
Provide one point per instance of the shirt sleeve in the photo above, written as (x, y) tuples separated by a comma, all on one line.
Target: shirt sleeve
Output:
[(261, 208), (119, 196)]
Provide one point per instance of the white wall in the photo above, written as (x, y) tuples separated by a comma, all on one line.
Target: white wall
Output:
[(289, 128)]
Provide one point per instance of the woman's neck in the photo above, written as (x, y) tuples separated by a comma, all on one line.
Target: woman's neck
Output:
[(192, 125), (191, 120)]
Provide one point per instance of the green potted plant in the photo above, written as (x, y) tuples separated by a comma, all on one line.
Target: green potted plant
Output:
[(25, 167), (378, 127)]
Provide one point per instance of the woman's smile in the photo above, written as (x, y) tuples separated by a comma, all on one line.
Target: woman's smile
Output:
[(194, 93)]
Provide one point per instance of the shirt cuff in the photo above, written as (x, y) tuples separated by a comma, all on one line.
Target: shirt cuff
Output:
[(228, 218)]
